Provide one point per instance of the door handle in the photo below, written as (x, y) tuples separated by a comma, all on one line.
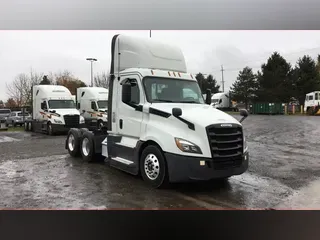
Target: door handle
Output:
[(121, 123)]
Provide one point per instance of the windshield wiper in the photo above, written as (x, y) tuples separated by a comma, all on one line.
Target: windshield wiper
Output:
[(188, 102), (162, 100)]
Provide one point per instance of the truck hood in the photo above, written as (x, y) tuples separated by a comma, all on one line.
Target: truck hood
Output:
[(198, 114), (67, 111)]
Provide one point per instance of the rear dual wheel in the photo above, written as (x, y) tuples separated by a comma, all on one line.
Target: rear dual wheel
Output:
[(73, 142), (80, 142)]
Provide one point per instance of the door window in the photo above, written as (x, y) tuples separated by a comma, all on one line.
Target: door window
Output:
[(135, 91)]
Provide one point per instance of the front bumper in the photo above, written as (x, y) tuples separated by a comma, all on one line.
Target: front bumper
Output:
[(64, 128), (187, 169)]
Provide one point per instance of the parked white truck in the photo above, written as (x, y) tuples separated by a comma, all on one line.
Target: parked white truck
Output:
[(223, 102), (92, 102), (53, 110), (312, 103), (159, 124)]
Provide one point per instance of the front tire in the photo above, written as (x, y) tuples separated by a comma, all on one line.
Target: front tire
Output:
[(87, 147), (49, 129), (73, 142), (26, 126), (100, 124), (153, 167)]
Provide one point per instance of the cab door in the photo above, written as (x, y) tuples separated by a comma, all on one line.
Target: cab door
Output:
[(130, 112)]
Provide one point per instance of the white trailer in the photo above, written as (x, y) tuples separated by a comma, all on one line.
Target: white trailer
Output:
[(159, 124), (53, 110), (92, 102)]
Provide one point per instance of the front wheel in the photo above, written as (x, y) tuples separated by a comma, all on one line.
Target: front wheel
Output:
[(26, 127), (153, 167), (49, 129), (100, 124)]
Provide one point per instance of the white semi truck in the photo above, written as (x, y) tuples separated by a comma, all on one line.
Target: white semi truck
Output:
[(92, 102), (53, 110), (312, 103), (159, 124), (223, 102)]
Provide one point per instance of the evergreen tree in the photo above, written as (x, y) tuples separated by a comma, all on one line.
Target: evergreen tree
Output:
[(305, 78), (274, 80), (244, 88), (45, 80)]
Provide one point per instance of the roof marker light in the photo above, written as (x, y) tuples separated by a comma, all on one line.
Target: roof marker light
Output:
[(169, 74), (191, 76), (179, 74), (152, 72), (174, 74)]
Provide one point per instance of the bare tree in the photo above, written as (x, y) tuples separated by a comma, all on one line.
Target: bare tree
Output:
[(101, 80), (67, 79), (20, 89)]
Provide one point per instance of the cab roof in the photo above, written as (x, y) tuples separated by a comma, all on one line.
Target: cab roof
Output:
[(133, 52)]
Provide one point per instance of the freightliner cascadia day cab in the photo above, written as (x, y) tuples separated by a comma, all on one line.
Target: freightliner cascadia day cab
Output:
[(92, 102), (53, 110), (159, 124)]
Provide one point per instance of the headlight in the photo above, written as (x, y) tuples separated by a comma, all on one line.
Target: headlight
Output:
[(57, 121), (186, 146)]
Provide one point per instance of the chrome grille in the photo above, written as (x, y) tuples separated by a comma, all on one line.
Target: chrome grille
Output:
[(226, 143), (71, 120)]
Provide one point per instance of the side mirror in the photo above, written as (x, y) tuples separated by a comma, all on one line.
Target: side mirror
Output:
[(220, 101), (43, 105), (208, 96), (177, 112), (83, 111), (126, 93), (244, 114)]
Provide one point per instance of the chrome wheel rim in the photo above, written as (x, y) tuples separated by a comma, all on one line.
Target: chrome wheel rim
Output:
[(151, 166), (71, 141), (85, 147)]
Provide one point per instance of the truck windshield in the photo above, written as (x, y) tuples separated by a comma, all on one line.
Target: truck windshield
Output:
[(172, 90), (56, 104), (21, 114), (5, 111), (102, 104)]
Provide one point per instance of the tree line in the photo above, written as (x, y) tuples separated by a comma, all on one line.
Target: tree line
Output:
[(277, 81), (19, 90)]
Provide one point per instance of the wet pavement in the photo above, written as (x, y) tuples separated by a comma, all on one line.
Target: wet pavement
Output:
[(284, 172)]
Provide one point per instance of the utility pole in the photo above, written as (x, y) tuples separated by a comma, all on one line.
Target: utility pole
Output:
[(91, 61), (222, 79)]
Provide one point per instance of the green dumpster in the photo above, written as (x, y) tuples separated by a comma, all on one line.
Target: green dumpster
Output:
[(268, 108)]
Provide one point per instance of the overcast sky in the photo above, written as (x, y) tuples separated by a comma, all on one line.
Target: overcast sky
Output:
[(205, 51)]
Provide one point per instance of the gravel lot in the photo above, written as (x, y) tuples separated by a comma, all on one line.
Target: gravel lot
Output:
[(36, 172)]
